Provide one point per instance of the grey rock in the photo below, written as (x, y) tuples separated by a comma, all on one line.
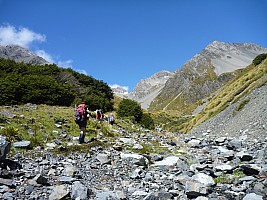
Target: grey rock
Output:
[(194, 143), (4, 147), (193, 189), (252, 196), (59, 192), (66, 179), (251, 169), (7, 182), (103, 158), (69, 171), (159, 196), (224, 167), (22, 144), (204, 179), (8, 196), (79, 191), (40, 179)]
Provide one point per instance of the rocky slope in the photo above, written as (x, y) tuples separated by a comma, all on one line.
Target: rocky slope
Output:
[(249, 122), (206, 72), (20, 54), (146, 90)]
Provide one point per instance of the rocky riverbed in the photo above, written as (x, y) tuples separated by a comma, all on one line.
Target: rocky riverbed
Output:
[(190, 168)]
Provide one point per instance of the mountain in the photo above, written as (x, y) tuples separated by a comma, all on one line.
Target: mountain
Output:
[(202, 75), (120, 91), (146, 90), (20, 54)]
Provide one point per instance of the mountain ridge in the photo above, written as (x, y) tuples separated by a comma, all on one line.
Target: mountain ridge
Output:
[(20, 54), (203, 74)]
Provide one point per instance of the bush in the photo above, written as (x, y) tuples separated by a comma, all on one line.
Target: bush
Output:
[(147, 121), (128, 108), (242, 104), (259, 59), (11, 134)]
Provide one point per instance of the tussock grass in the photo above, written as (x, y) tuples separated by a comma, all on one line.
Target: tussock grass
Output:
[(39, 125)]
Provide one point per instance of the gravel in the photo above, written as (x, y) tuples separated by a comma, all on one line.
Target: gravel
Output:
[(249, 122)]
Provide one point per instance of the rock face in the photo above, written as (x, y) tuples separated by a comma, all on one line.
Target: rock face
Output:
[(202, 75), (20, 54), (146, 90), (227, 57)]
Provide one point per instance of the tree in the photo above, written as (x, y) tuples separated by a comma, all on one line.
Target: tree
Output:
[(130, 108), (147, 121)]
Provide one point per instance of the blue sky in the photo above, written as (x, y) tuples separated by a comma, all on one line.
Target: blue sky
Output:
[(124, 41)]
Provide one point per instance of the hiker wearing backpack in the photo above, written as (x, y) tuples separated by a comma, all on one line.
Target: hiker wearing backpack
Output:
[(99, 115), (81, 117), (111, 119)]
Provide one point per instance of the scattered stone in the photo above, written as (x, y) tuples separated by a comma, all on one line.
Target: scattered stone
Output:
[(253, 196), (22, 144)]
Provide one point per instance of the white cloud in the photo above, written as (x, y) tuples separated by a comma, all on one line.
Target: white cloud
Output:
[(24, 37), (82, 71), (9, 35), (65, 64), (45, 56)]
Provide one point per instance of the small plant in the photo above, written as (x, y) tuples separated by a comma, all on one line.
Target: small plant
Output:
[(2, 120), (11, 133), (229, 178), (241, 105)]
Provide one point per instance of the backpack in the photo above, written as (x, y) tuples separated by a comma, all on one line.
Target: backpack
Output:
[(99, 114), (80, 113)]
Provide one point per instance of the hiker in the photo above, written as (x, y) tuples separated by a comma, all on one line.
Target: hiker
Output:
[(81, 117), (99, 115), (111, 119)]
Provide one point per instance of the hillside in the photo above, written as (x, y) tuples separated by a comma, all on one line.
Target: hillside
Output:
[(22, 83), (238, 106), (202, 75)]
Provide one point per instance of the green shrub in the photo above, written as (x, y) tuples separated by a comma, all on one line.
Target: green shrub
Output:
[(229, 178), (128, 108), (259, 59), (147, 121), (11, 133), (242, 104)]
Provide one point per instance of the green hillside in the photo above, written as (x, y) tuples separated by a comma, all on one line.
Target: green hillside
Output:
[(49, 84), (253, 76)]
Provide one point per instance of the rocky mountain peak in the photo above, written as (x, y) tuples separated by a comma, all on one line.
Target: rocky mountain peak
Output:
[(147, 89), (120, 91), (20, 54), (227, 57)]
